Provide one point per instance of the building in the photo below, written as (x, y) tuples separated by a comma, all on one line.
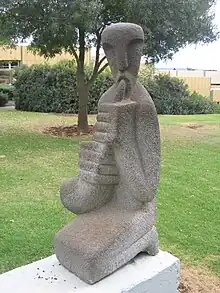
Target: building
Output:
[(205, 82), (11, 58)]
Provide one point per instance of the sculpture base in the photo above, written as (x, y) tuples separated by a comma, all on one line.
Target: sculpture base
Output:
[(151, 274), (93, 246)]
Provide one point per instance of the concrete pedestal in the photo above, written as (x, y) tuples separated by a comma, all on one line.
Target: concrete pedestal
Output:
[(145, 274)]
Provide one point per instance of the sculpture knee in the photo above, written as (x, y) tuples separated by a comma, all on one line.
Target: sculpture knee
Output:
[(144, 193), (73, 198), (67, 192), (79, 196)]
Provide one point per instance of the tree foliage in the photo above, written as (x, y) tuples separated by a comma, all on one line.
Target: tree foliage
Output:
[(73, 25), (54, 25)]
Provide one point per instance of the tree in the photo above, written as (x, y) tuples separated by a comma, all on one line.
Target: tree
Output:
[(74, 25), (4, 42)]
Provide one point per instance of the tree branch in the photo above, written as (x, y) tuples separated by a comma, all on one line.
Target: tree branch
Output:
[(102, 69), (75, 54), (100, 62), (101, 29), (94, 75), (81, 50), (98, 47)]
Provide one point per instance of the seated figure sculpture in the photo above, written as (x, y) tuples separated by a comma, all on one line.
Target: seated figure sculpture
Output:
[(114, 193)]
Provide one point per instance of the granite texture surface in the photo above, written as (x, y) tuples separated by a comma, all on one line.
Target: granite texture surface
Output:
[(114, 193)]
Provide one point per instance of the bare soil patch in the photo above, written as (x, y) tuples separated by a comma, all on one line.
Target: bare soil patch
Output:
[(71, 130), (206, 133), (73, 115), (183, 132), (195, 280), (194, 126), (65, 131)]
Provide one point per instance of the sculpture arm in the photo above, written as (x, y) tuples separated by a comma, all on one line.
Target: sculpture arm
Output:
[(142, 187), (97, 178), (137, 149)]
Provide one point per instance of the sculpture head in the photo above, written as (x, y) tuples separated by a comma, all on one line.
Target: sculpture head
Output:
[(123, 43)]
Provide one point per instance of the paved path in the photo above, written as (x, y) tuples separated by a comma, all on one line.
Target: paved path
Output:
[(8, 107)]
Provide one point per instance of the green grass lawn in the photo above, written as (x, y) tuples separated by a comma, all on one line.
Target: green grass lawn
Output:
[(33, 165)]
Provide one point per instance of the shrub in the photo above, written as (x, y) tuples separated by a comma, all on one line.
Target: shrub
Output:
[(198, 104), (168, 93), (46, 88), (9, 90), (3, 99), (172, 96), (101, 84), (146, 73), (217, 108)]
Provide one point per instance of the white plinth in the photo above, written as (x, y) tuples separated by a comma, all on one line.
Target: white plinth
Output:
[(145, 274)]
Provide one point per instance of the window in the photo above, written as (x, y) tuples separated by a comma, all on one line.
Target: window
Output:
[(7, 64)]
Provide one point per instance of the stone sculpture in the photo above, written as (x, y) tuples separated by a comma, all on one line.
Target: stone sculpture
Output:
[(114, 193)]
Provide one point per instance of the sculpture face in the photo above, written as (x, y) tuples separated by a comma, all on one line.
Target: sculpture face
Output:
[(123, 45)]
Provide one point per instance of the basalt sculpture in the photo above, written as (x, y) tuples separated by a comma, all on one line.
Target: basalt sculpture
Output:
[(114, 193)]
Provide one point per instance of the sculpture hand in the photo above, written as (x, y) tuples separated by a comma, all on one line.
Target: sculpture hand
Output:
[(120, 93), (111, 119), (105, 130), (96, 162)]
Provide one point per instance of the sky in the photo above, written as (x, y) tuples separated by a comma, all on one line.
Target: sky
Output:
[(198, 56)]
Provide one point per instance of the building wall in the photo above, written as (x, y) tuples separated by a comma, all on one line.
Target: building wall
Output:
[(10, 54), (214, 75), (204, 82), (21, 53), (190, 73), (201, 85), (216, 95)]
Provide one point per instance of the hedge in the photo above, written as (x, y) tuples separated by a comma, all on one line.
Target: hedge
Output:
[(6, 94), (46, 88), (217, 108), (198, 104), (3, 99), (172, 96)]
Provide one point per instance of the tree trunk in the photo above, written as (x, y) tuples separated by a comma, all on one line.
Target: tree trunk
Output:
[(82, 87), (83, 92)]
